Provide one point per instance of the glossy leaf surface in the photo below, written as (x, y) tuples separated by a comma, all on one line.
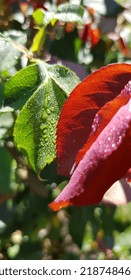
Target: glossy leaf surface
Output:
[(45, 89), (75, 123), (102, 165), (9, 53)]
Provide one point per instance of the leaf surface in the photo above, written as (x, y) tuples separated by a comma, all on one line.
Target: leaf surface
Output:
[(78, 112), (102, 165), (21, 86), (35, 127), (8, 52), (102, 118), (38, 16), (65, 12), (70, 13)]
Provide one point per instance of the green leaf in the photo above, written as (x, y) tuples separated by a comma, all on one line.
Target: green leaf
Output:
[(21, 86), (44, 17), (38, 40), (6, 109), (65, 12), (10, 50), (49, 18), (1, 93), (6, 121), (35, 127), (70, 13), (8, 55), (6, 118), (38, 16), (15, 36), (63, 77)]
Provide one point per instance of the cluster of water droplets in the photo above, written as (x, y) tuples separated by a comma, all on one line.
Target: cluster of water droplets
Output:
[(47, 127), (107, 142), (127, 88), (117, 129), (112, 140), (96, 122)]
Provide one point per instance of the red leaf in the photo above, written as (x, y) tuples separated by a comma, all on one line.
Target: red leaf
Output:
[(93, 35), (107, 160), (123, 47), (78, 112), (102, 118)]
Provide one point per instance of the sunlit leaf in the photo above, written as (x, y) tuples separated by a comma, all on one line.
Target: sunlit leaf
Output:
[(46, 91), (70, 13), (21, 86), (1, 94), (102, 164), (38, 40), (10, 48), (102, 118), (38, 16), (79, 110), (6, 120)]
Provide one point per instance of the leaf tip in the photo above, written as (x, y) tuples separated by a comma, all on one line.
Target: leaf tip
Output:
[(55, 206)]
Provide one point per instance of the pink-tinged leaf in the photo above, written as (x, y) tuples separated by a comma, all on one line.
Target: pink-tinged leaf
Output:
[(103, 117), (78, 112), (107, 160)]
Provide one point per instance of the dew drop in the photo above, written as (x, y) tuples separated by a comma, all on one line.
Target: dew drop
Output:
[(43, 126), (45, 138), (44, 115), (61, 72), (113, 145), (128, 117), (71, 195), (96, 122), (54, 141), (46, 102), (48, 111), (52, 109), (48, 98)]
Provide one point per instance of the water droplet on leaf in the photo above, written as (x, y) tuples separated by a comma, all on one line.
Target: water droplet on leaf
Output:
[(44, 115), (43, 126), (48, 111), (61, 72)]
